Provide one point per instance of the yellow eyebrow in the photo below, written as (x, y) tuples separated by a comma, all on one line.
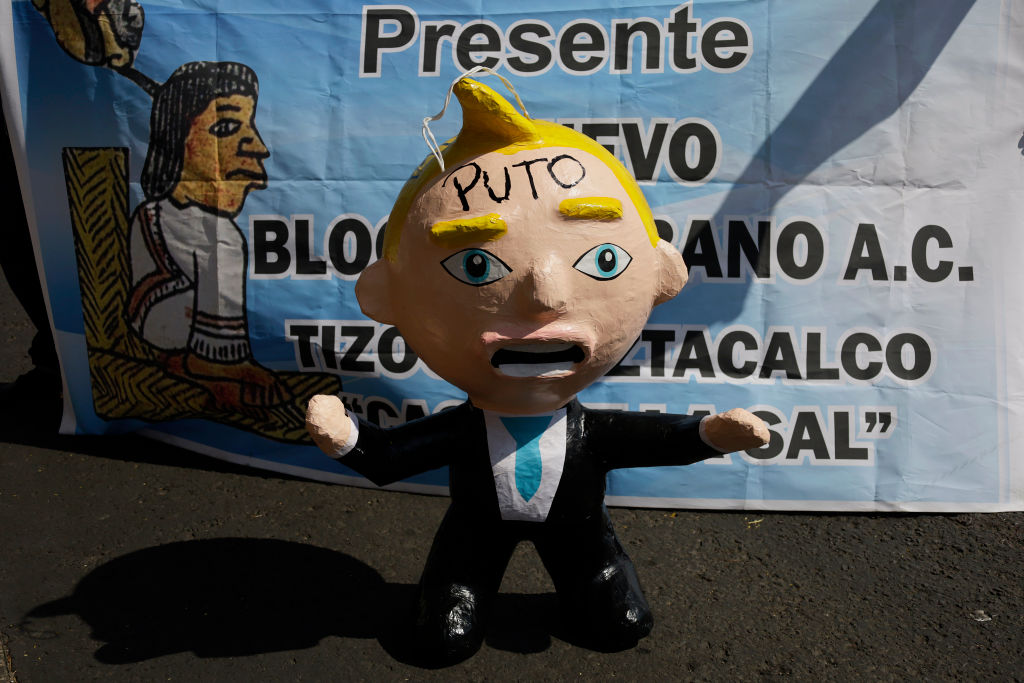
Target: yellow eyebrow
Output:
[(463, 231), (591, 208)]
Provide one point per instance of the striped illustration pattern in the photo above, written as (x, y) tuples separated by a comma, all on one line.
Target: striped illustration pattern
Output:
[(97, 187)]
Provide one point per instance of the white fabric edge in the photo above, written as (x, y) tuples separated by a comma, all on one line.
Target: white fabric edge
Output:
[(722, 504), (11, 96)]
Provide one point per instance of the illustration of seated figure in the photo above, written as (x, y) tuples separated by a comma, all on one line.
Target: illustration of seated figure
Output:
[(188, 257)]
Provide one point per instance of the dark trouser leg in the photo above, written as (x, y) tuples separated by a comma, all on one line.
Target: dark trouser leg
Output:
[(19, 262), (461, 577), (597, 584), (38, 390)]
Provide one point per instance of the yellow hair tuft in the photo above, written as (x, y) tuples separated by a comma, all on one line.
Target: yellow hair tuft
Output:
[(491, 124)]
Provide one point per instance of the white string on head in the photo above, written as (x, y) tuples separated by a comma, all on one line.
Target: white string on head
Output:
[(428, 136)]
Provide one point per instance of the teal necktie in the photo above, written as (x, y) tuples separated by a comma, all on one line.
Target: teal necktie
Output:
[(527, 432)]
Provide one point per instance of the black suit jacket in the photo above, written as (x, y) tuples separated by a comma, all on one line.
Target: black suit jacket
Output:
[(596, 441)]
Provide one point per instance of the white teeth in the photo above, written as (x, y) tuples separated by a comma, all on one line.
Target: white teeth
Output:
[(528, 359), (541, 348), (536, 369)]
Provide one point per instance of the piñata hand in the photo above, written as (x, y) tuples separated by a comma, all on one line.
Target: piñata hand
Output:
[(735, 430), (329, 424)]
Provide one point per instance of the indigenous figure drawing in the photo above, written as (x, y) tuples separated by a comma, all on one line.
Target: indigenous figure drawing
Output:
[(164, 296), (96, 32), (521, 270), (188, 257)]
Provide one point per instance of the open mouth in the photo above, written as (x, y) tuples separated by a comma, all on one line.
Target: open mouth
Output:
[(549, 359)]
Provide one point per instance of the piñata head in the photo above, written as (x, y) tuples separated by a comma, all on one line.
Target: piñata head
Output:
[(524, 270)]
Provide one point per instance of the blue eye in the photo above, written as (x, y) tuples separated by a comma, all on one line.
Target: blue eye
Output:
[(475, 267), (603, 262)]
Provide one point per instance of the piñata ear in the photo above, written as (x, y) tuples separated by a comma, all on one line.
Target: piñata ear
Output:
[(672, 273), (373, 292), (486, 115)]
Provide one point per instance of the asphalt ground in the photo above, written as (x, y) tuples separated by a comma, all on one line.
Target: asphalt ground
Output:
[(125, 559)]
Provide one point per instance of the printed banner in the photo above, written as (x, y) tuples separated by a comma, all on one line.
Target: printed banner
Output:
[(843, 180)]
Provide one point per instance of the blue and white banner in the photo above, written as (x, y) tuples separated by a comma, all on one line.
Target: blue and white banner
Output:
[(844, 181)]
